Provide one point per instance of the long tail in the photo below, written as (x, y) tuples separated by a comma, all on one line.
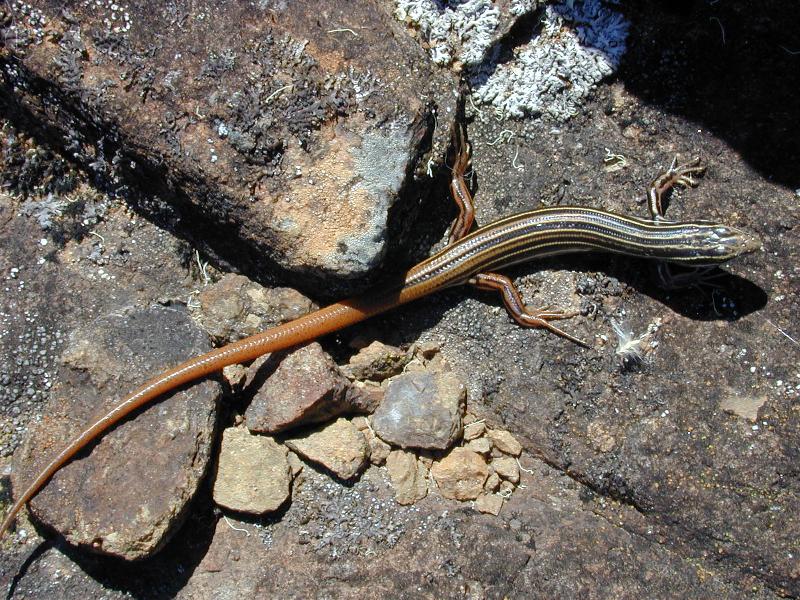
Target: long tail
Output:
[(306, 328)]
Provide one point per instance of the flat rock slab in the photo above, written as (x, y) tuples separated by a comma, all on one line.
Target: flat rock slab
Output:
[(253, 473), (284, 131), (129, 494)]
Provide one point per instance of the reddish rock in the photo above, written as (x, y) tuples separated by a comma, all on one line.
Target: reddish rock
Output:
[(285, 132), (305, 387)]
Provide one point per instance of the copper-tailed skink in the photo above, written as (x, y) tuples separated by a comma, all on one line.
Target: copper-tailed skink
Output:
[(469, 258)]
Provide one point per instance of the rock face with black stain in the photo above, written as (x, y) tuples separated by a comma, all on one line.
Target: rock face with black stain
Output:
[(283, 132), (129, 493)]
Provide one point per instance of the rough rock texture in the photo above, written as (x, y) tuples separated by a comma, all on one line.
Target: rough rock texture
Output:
[(376, 362), (489, 503), (461, 474), (504, 442), (339, 447), (672, 478), (235, 307), (305, 387), (285, 141), (409, 476), (421, 410), (507, 468), (253, 474), (128, 496)]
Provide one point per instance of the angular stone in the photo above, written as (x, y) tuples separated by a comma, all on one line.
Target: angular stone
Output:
[(378, 450), (481, 446), (461, 474), (253, 133), (421, 410), (376, 362), (409, 476), (474, 430), (505, 442), (489, 504), (128, 495), (507, 468), (492, 483), (235, 307), (339, 447), (306, 387), (253, 473)]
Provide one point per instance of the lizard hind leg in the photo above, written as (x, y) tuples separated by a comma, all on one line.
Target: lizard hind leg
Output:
[(536, 318)]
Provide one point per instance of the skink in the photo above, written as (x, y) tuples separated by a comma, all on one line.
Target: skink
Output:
[(469, 258)]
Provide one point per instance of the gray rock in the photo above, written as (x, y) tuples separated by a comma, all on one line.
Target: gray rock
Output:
[(129, 494), (421, 410), (339, 447), (253, 473)]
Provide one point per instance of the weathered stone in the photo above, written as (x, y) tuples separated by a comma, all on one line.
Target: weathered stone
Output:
[(253, 473), (421, 410), (461, 474), (480, 445), (492, 482), (428, 349), (409, 476), (378, 450), (505, 442), (339, 447), (161, 455), (236, 376), (305, 387), (256, 131), (507, 468), (376, 362), (489, 504), (474, 430), (235, 307), (295, 463)]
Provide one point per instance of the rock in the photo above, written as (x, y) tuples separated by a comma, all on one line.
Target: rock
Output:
[(236, 376), (253, 133), (378, 450), (339, 447), (235, 307), (461, 474), (505, 442), (421, 410), (128, 495), (481, 446), (507, 468), (253, 473), (492, 483), (305, 387), (409, 476), (428, 349), (474, 430), (376, 362), (489, 504), (295, 464)]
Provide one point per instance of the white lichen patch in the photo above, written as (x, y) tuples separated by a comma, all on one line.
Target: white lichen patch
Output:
[(460, 30), (580, 43)]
